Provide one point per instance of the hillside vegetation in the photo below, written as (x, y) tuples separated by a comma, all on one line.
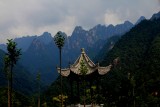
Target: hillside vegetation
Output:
[(135, 77)]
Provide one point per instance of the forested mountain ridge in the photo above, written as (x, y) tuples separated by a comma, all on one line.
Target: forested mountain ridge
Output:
[(136, 66), (135, 77), (139, 37), (25, 41), (22, 80), (24, 86), (40, 53), (43, 56)]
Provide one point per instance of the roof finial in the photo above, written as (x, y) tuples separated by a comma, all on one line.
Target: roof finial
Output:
[(82, 50)]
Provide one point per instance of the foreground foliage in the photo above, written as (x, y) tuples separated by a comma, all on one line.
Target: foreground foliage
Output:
[(135, 77)]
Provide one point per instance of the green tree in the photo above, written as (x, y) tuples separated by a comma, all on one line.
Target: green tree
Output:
[(83, 71), (83, 68), (58, 99), (11, 59), (59, 41)]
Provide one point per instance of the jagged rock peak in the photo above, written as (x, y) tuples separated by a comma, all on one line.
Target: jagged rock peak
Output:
[(140, 19), (99, 25), (46, 34), (128, 23), (78, 28), (155, 16), (45, 38), (110, 26)]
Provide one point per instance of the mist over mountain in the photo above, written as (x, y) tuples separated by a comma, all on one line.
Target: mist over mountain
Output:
[(25, 41), (130, 48), (43, 55), (40, 54)]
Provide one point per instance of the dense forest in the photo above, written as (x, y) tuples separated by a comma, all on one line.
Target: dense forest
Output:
[(135, 78)]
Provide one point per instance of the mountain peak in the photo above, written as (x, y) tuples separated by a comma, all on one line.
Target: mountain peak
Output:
[(110, 26), (140, 19), (99, 25), (45, 38), (46, 34), (78, 28), (155, 16), (78, 31), (127, 23)]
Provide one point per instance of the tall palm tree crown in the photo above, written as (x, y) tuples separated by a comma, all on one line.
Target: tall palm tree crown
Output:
[(59, 39)]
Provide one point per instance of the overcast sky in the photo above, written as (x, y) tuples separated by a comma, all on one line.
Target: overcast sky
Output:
[(33, 17)]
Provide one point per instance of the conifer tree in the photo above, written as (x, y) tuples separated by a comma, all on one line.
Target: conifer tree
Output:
[(11, 59)]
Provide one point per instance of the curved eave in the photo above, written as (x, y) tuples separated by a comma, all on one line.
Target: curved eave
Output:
[(104, 70), (64, 72), (101, 70)]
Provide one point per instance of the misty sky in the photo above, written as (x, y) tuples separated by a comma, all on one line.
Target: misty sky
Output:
[(33, 17)]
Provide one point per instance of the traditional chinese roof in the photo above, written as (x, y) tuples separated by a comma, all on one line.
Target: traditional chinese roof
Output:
[(75, 68)]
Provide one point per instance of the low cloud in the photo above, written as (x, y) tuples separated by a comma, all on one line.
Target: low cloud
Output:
[(33, 17), (112, 18), (159, 1)]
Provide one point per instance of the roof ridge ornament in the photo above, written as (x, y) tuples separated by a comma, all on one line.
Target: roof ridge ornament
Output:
[(82, 50)]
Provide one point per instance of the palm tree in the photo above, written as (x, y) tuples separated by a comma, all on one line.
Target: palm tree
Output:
[(59, 41), (11, 59)]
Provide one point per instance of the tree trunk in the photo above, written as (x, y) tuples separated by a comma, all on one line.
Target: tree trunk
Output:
[(9, 93), (60, 58), (11, 85), (39, 101)]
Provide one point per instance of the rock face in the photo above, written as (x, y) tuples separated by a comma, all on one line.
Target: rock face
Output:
[(43, 55)]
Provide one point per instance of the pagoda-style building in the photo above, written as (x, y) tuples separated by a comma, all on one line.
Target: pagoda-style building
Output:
[(92, 76)]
